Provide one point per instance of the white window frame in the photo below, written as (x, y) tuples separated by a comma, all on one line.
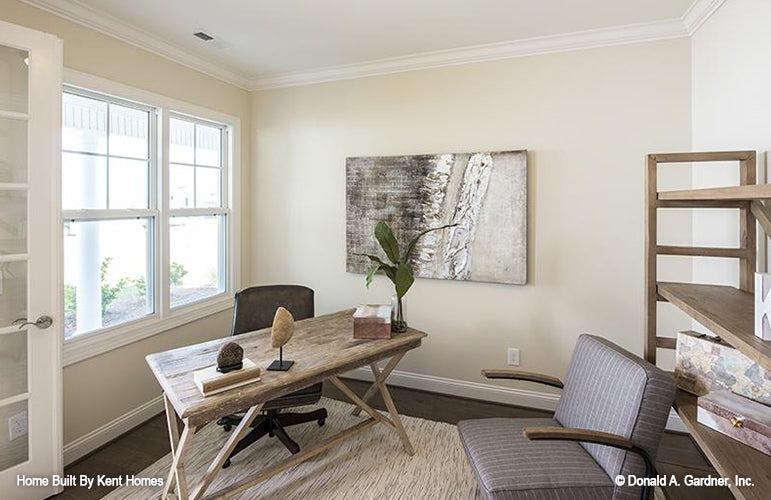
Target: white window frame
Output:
[(91, 344)]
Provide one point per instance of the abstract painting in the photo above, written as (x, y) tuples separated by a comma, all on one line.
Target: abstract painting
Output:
[(485, 194)]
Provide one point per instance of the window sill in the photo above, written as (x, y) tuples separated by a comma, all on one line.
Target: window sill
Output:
[(87, 346)]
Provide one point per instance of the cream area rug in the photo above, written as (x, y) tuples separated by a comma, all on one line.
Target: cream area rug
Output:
[(370, 466)]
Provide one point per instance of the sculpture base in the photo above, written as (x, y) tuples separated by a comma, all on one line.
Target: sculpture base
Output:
[(280, 366)]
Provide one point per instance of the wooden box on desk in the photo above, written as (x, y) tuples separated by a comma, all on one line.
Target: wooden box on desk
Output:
[(372, 321), (740, 418)]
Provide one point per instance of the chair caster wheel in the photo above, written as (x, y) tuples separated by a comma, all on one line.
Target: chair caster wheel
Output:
[(226, 464), (322, 421), (227, 428)]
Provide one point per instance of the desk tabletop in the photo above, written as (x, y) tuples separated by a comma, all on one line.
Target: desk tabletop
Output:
[(320, 347)]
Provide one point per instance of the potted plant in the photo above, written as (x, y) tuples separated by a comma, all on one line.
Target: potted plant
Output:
[(398, 268)]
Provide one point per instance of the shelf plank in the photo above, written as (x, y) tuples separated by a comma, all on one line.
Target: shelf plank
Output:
[(729, 457), (703, 156), (726, 311), (747, 192), (736, 253)]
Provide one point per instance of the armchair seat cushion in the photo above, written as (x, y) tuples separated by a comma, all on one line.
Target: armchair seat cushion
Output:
[(509, 466)]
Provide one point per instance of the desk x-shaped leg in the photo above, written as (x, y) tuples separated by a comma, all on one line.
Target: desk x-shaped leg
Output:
[(179, 446), (379, 385)]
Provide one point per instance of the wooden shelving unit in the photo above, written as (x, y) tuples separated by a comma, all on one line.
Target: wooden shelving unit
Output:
[(727, 311)]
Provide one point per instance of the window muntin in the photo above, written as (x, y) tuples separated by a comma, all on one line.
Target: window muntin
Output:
[(195, 164), (105, 154)]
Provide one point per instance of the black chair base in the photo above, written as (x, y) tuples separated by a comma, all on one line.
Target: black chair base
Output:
[(272, 423)]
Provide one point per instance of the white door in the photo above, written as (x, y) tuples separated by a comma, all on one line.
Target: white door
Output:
[(30, 307)]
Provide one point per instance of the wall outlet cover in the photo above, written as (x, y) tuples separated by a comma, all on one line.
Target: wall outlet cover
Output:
[(513, 356), (17, 425)]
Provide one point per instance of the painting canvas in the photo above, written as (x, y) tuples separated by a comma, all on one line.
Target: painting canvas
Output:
[(485, 194)]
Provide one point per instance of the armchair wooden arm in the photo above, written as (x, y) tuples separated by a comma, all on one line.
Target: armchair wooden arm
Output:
[(571, 434), (597, 437), (520, 375)]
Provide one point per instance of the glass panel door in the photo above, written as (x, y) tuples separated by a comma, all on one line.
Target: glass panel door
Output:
[(30, 314), (14, 124)]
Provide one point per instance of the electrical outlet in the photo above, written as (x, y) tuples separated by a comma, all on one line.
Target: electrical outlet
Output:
[(513, 358), (17, 425)]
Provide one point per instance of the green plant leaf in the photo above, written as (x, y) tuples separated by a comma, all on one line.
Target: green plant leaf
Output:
[(387, 241), (403, 279), (374, 258), (371, 273), (414, 241)]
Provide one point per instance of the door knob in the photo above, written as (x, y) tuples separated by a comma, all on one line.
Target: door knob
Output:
[(42, 322)]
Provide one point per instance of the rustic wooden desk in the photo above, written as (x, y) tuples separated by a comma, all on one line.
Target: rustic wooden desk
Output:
[(322, 348)]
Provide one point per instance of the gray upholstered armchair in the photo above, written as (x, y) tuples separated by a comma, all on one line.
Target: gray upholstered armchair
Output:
[(609, 421)]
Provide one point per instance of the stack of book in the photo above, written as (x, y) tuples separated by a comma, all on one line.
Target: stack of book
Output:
[(210, 381)]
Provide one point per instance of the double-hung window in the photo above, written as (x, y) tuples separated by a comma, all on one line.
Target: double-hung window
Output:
[(146, 207)]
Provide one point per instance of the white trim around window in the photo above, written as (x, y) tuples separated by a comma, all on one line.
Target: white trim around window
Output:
[(88, 345)]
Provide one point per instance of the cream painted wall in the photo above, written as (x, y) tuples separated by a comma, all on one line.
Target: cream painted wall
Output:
[(100, 389), (731, 110), (588, 118)]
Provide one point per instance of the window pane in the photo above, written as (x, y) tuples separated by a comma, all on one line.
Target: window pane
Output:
[(208, 145), (207, 187), (128, 183), (181, 135), (13, 222), (84, 181), (13, 301), (181, 184), (107, 273), (13, 80), (197, 247), (13, 364), (129, 132), (13, 150), (84, 123)]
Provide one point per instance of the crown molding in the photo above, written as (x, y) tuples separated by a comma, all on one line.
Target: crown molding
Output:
[(698, 13), (687, 25), (620, 35), (82, 14)]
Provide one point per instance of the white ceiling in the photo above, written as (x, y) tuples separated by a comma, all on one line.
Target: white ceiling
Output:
[(263, 38)]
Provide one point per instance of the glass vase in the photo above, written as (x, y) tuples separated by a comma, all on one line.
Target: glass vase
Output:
[(398, 323)]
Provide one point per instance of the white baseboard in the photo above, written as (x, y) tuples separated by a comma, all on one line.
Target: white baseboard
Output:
[(484, 392), (111, 430), (462, 388)]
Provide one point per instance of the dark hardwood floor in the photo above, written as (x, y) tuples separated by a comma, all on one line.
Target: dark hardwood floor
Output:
[(140, 447)]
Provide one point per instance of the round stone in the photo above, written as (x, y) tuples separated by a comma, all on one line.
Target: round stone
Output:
[(229, 355)]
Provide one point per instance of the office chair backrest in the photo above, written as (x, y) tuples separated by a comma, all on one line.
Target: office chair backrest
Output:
[(256, 306)]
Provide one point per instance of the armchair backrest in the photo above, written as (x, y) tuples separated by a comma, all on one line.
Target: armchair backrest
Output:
[(255, 307), (611, 390)]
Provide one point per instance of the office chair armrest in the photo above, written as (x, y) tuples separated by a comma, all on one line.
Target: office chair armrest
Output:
[(520, 375), (596, 437)]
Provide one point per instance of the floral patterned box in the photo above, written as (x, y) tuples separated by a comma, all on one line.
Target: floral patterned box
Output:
[(704, 364)]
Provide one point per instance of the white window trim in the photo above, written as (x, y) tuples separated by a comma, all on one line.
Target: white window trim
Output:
[(89, 345)]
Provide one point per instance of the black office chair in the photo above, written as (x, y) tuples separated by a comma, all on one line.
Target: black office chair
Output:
[(255, 308)]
